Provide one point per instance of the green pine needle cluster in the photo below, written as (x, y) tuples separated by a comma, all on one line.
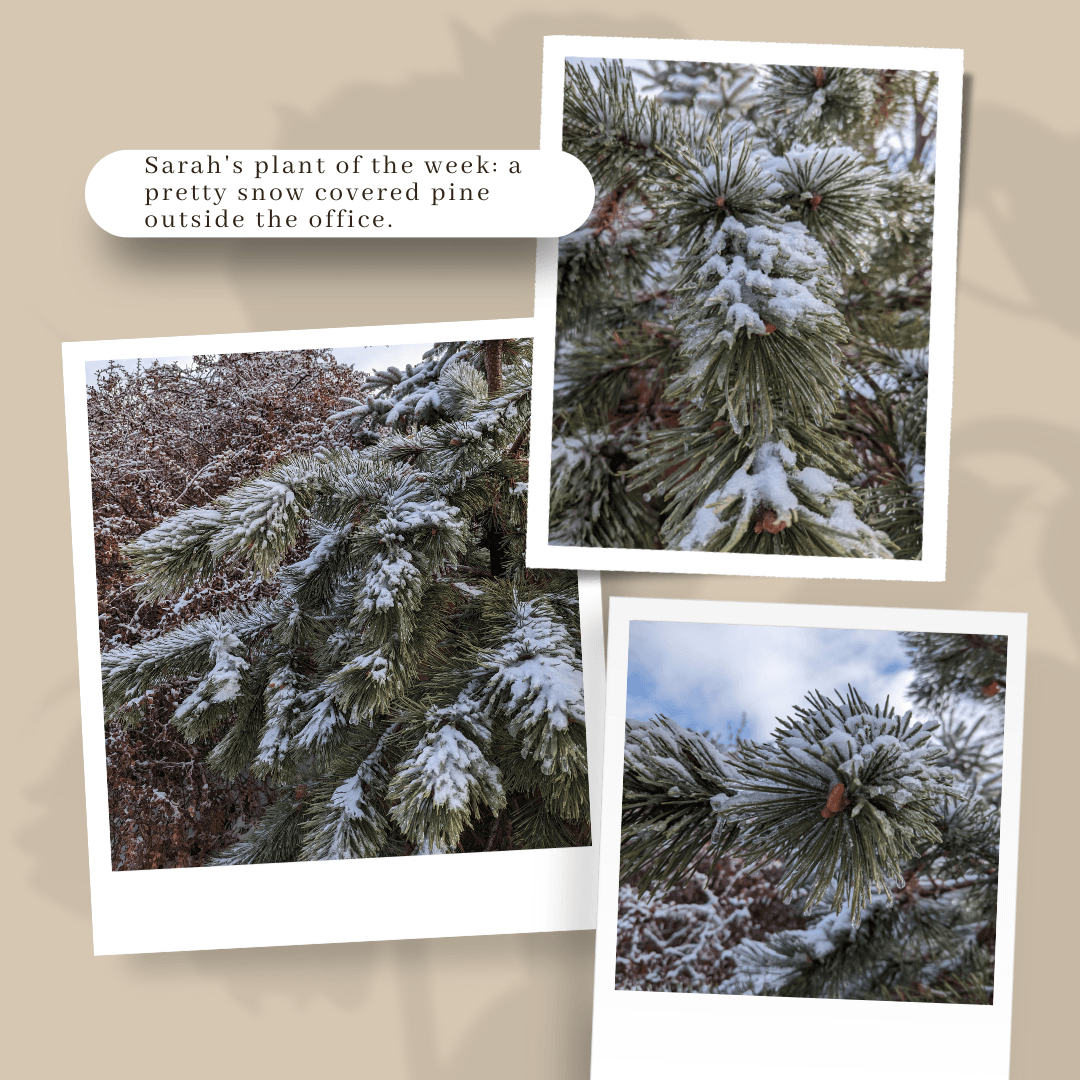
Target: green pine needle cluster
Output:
[(672, 775), (842, 793)]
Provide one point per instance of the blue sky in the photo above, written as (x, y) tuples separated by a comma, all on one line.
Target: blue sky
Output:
[(364, 357), (705, 676)]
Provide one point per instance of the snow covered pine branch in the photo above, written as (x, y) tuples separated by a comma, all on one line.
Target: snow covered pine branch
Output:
[(408, 686), (743, 321), (852, 854)]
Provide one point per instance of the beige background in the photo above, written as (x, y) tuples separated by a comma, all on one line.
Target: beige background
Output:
[(85, 79)]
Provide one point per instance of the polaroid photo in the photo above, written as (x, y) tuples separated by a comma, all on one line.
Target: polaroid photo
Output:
[(323, 699), (738, 351), (809, 848)]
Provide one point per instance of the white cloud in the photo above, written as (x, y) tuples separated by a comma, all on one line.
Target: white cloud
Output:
[(706, 676), (366, 357)]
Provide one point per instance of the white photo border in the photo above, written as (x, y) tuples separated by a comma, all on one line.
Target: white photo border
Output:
[(226, 907), (948, 63), (644, 1034)]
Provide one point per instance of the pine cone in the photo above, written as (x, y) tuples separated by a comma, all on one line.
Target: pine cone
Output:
[(836, 801), (768, 522)]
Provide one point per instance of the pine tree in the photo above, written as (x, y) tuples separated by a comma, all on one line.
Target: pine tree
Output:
[(874, 835), (743, 320), (409, 687)]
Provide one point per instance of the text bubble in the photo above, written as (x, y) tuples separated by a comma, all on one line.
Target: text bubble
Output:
[(339, 193)]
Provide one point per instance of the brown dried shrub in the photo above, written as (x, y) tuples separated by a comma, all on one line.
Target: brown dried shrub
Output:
[(165, 436), (681, 939)]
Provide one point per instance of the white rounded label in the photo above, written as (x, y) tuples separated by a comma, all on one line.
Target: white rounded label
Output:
[(339, 193)]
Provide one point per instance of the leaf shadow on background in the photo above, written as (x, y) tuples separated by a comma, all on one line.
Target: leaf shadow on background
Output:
[(1044, 991), (1030, 509), (1001, 148), (54, 840), (466, 108), (517, 985), (553, 996), (294, 283)]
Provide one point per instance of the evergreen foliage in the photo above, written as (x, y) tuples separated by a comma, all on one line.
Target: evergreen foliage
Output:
[(872, 838), (742, 322), (407, 685), (672, 775), (954, 667)]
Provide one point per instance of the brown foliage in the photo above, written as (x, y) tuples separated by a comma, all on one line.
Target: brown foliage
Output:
[(681, 940), (166, 808), (164, 437)]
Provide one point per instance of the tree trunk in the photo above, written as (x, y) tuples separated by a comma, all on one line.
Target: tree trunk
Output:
[(493, 366), (493, 542)]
